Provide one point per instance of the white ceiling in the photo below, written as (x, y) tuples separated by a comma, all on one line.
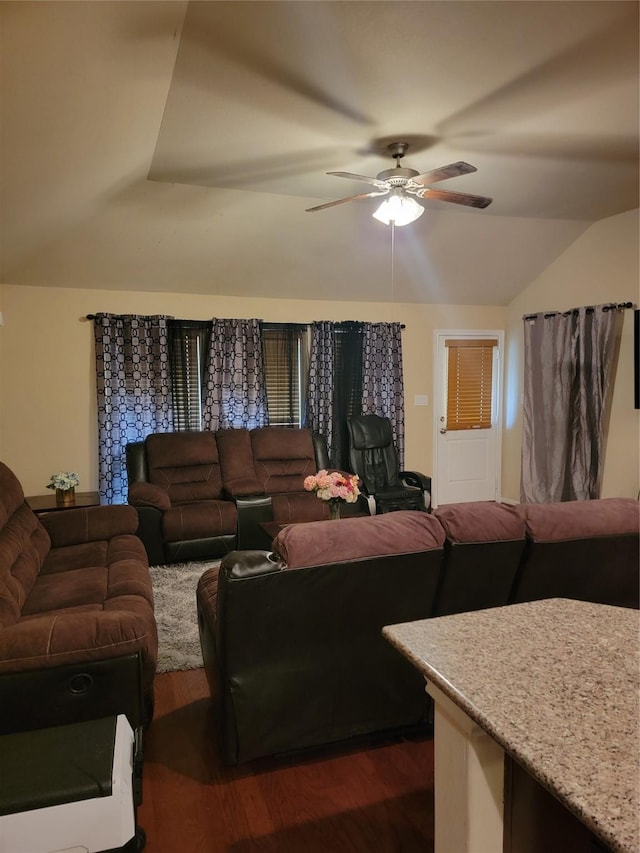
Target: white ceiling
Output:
[(170, 146)]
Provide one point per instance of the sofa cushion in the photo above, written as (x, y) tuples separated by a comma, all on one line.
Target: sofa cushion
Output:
[(89, 586), (561, 522), (102, 553), (320, 542), (481, 521), (185, 464), (283, 458), (201, 520), (102, 608), (298, 506)]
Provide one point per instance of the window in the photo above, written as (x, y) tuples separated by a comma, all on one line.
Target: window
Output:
[(470, 383), (188, 346), (285, 353), (285, 356)]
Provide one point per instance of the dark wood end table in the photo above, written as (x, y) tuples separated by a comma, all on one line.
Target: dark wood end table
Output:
[(47, 503)]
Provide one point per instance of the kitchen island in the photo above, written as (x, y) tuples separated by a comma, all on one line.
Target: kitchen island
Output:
[(552, 686)]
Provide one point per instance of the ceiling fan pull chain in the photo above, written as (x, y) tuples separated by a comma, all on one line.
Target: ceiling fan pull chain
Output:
[(393, 255)]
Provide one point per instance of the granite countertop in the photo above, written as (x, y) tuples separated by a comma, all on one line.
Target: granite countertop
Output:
[(556, 684)]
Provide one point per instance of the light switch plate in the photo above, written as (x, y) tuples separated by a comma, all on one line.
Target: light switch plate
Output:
[(421, 400)]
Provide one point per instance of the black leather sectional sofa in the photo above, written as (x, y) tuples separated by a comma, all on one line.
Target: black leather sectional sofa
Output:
[(292, 639)]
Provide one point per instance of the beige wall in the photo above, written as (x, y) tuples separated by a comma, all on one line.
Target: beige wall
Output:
[(47, 383), (601, 266)]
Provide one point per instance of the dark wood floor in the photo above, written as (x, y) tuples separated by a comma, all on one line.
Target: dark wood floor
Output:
[(377, 797)]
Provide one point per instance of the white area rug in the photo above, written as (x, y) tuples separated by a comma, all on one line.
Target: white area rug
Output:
[(174, 592)]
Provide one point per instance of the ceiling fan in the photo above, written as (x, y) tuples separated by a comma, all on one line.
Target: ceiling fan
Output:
[(399, 184)]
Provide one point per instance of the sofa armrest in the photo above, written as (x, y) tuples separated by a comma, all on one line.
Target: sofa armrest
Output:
[(419, 481), (253, 511), (89, 524), (150, 533), (246, 564), (415, 478), (146, 494), (58, 639)]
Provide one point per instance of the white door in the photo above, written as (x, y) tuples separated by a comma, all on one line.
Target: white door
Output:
[(467, 402)]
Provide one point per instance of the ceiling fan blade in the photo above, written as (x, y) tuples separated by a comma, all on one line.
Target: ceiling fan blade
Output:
[(343, 200), (467, 199), (354, 177), (453, 170)]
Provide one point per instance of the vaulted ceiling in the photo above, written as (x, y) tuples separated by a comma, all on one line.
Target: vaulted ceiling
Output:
[(171, 146)]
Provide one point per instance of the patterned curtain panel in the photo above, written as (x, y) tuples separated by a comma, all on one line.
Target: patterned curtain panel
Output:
[(382, 377), (319, 407), (134, 394), (234, 393), (570, 362)]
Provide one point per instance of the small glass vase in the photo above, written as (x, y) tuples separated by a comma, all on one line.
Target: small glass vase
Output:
[(66, 497), (334, 509)]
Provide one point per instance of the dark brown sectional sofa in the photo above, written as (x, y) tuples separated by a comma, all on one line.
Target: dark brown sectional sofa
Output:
[(291, 639), (78, 636)]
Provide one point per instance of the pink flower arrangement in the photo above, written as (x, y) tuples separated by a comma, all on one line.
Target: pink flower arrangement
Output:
[(334, 486)]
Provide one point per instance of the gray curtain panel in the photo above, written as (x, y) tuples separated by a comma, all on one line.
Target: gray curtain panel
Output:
[(570, 361), (133, 389), (382, 377), (234, 393)]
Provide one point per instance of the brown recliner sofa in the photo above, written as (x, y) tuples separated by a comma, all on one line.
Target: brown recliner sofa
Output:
[(78, 636), (291, 639), (202, 494)]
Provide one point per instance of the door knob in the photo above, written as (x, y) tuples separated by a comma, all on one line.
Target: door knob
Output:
[(443, 430)]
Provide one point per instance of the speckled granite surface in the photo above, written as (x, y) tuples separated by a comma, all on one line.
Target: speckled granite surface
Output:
[(556, 683)]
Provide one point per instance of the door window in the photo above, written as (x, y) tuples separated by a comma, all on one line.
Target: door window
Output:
[(469, 383)]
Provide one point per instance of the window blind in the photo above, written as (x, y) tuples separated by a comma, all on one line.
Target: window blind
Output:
[(188, 346), (469, 383), (285, 358)]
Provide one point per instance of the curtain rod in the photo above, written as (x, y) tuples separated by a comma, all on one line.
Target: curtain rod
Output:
[(589, 309), (402, 325)]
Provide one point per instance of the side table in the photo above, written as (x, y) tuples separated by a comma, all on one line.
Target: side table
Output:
[(47, 503)]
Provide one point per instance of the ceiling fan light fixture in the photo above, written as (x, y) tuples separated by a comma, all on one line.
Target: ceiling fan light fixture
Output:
[(399, 209)]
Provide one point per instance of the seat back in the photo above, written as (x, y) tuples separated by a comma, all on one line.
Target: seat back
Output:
[(185, 465), (588, 550), (483, 549), (236, 462), (24, 543), (282, 458), (372, 454)]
